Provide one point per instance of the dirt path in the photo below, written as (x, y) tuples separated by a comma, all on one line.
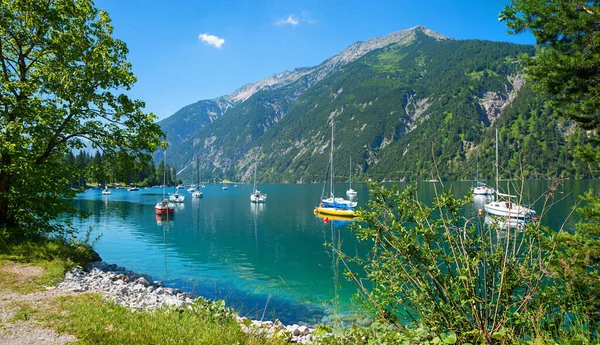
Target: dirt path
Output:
[(21, 330)]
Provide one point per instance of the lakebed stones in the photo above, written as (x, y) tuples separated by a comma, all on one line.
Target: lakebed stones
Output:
[(139, 291)]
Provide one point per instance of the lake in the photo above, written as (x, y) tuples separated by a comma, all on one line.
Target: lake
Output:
[(268, 260)]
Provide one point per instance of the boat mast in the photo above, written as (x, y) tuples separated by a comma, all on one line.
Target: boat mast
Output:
[(255, 177), (331, 161), (350, 172), (477, 165), (496, 161), (197, 173), (165, 174)]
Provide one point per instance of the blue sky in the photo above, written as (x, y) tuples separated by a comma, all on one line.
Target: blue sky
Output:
[(179, 57)]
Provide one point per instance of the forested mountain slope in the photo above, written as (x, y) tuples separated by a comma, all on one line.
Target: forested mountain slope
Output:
[(413, 109)]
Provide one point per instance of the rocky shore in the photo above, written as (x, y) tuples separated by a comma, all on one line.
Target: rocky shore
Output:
[(139, 291)]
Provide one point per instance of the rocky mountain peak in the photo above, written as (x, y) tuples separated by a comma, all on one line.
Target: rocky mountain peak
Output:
[(348, 55)]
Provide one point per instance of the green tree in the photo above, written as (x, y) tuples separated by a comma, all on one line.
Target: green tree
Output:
[(60, 71), (566, 61), (566, 67)]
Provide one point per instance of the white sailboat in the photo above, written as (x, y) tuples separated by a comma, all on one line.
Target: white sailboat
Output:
[(506, 208), (196, 193), (176, 197), (164, 206), (106, 191), (481, 188), (256, 196), (351, 193), (332, 205)]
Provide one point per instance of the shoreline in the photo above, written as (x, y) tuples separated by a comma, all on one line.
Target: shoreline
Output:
[(140, 292)]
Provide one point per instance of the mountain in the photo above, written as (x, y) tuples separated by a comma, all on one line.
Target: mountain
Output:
[(411, 105), (190, 118)]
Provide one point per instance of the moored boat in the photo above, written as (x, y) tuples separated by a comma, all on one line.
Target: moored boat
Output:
[(509, 209), (351, 193), (164, 207), (332, 205), (256, 196), (176, 197), (506, 207), (195, 190)]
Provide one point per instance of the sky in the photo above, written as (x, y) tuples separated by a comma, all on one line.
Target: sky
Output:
[(186, 51)]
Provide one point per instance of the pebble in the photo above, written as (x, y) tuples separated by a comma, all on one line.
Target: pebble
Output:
[(139, 291)]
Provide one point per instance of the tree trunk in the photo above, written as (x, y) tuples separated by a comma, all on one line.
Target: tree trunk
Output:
[(6, 218)]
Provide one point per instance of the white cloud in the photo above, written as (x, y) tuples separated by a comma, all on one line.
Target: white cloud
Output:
[(290, 20), (212, 40)]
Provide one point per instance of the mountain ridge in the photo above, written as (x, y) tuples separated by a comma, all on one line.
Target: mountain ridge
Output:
[(284, 78), (423, 102)]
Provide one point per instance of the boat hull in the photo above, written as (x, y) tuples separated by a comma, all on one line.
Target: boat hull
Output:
[(258, 198), (335, 212), (164, 208), (483, 191), (509, 210), (178, 198)]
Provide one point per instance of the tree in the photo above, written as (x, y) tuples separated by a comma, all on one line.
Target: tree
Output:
[(60, 69), (566, 67), (566, 61)]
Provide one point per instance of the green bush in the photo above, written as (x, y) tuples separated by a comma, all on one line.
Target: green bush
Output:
[(429, 266)]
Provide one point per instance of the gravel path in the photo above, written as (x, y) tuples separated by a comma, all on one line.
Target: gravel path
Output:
[(23, 332)]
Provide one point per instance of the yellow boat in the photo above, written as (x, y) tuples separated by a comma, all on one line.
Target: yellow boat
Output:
[(328, 217), (335, 212)]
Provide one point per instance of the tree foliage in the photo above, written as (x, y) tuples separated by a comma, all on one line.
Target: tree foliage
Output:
[(566, 68), (430, 266), (61, 72), (566, 61)]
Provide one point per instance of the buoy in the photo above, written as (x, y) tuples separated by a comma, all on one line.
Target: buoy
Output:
[(326, 220), (480, 212)]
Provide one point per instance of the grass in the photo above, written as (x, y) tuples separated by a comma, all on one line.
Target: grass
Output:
[(43, 262), (95, 321), (45, 273)]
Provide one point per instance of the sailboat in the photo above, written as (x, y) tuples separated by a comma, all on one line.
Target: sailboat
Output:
[(164, 206), (351, 193), (106, 191), (481, 188), (196, 193), (332, 205), (176, 197), (506, 208), (256, 196)]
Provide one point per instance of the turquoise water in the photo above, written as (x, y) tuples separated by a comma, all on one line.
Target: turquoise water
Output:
[(265, 260)]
